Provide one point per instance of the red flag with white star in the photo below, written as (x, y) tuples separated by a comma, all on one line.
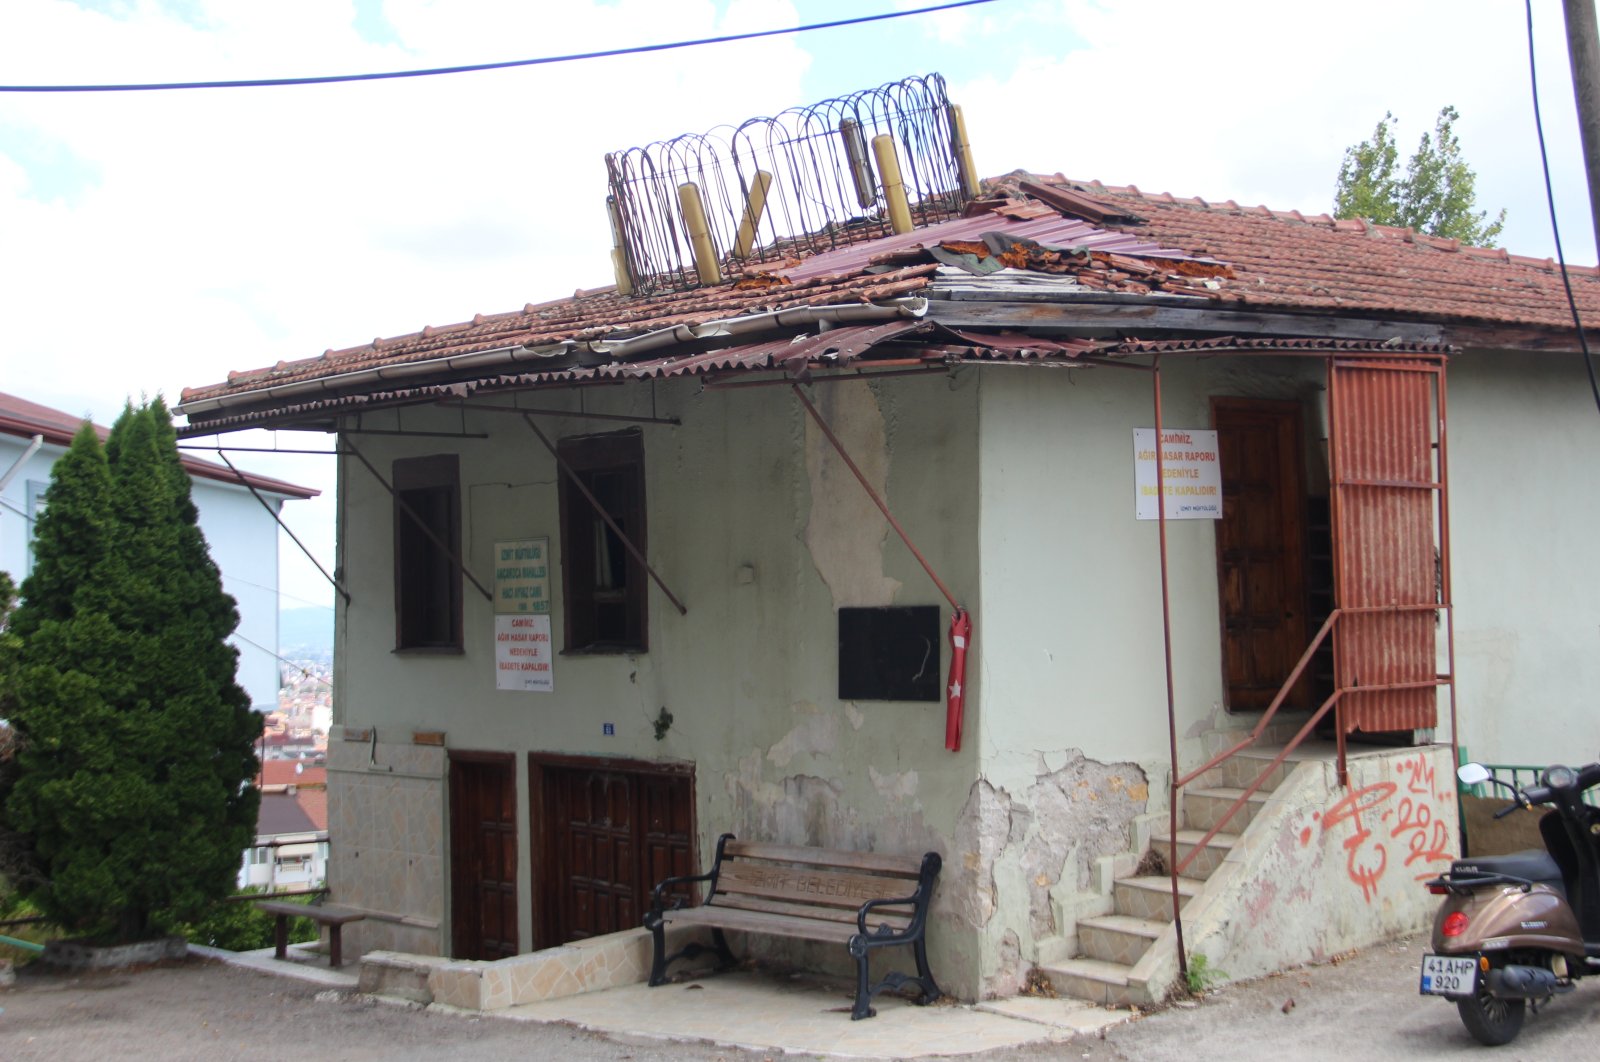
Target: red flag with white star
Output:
[(960, 638)]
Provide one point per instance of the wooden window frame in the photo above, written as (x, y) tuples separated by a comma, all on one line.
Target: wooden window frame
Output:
[(620, 453), (414, 474)]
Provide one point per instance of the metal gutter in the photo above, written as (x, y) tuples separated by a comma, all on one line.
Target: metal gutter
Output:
[(794, 317)]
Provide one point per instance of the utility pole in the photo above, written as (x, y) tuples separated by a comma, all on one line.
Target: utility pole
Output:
[(1583, 48)]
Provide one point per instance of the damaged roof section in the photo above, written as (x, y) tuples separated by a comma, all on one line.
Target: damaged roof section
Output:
[(848, 352), (1029, 239)]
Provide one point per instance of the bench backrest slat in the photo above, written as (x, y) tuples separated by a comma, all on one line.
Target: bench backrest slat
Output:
[(825, 889), (907, 866)]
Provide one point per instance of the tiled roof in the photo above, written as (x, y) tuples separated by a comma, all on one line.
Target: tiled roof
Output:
[(282, 772), (314, 805), (1312, 261), (25, 419), (1125, 241)]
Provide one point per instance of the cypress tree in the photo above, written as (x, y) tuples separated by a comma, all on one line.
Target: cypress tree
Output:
[(48, 691), (133, 777)]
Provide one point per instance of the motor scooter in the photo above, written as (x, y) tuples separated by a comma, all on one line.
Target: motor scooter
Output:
[(1517, 930)]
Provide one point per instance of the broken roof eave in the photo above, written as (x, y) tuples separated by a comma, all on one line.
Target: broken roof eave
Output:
[(345, 385), (944, 349)]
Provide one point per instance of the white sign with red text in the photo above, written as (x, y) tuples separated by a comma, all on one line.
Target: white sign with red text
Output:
[(1190, 473), (522, 656)]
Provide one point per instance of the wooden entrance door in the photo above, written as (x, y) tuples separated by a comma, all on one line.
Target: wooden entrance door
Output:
[(483, 855), (606, 832), (1261, 549)]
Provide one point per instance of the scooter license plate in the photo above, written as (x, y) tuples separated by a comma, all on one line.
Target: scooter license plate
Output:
[(1444, 975)]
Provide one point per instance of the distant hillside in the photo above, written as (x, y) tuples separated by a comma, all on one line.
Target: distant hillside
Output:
[(305, 631)]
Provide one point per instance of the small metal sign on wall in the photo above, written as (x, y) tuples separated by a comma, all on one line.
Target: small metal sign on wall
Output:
[(1190, 471), (523, 659)]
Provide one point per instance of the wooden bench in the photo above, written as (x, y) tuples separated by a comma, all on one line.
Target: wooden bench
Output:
[(862, 900), (328, 914)]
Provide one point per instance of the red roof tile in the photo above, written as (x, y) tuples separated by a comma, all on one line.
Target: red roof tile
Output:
[(283, 772), (314, 805), (1358, 267), (25, 419)]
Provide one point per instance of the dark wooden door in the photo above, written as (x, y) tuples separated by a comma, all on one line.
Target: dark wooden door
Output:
[(608, 833), (483, 855), (1261, 549)]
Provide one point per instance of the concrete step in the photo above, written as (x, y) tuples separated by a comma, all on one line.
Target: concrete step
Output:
[(1117, 938), (1242, 770), (398, 975), (1151, 897), (1209, 858), (1204, 808), (1103, 983)]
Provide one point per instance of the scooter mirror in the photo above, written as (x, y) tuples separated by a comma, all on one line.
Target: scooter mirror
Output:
[(1472, 773)]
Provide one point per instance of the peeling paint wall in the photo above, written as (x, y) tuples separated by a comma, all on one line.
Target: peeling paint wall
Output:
[(1024, 855), (762, 533), (845, 530)]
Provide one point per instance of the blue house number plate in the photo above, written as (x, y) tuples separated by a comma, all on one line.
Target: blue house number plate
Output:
[(1443, 975)]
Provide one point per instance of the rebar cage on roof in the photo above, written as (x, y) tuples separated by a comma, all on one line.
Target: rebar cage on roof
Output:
[(775, 188)]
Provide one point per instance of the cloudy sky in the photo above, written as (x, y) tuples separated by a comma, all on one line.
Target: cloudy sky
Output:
[(155, 240)]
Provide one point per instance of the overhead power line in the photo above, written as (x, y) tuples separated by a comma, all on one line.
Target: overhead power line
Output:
[(475, 67)]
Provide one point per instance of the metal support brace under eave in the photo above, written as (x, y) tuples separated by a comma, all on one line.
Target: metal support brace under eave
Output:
[(279, 520), (455, 558)]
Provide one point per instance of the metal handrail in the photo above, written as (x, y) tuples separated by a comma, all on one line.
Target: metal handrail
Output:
[(1233, 809), (1272, 709)]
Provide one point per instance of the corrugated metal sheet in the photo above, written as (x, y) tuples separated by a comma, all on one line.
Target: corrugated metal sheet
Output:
[(1383, 420)]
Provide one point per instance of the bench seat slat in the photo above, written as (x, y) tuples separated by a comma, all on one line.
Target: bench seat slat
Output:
[(873, 862), (763, 922), (328, 914), (899, 918)]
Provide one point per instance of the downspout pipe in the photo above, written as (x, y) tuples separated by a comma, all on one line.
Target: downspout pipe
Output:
[(16, 466)]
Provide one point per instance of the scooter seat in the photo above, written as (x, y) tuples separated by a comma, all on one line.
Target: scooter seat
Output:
[(1531, 865)]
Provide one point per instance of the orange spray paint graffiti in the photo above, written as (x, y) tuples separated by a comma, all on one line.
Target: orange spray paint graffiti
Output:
[(1411, 812)]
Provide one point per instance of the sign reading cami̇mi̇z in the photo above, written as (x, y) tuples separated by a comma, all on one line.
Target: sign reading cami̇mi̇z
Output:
[(522, 656), (1190, 472)]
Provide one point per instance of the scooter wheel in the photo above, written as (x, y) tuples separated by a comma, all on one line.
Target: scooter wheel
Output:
[(1490, 1020)]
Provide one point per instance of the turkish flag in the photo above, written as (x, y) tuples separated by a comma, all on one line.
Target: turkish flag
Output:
[(955, 693)]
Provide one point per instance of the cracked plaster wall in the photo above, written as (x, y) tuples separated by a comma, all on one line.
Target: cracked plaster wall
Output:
[(761, 537), (1022, 855)]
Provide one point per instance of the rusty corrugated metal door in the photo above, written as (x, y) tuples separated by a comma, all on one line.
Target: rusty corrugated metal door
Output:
[(1385, 421)]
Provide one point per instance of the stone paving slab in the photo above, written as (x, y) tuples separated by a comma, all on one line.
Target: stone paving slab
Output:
[(300, 965), (1073, 1014), (761, 1012)]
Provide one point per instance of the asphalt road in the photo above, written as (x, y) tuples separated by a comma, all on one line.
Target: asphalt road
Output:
[(1363, 1007)]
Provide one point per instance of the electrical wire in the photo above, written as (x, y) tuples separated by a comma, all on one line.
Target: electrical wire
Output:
[(475, 67), (1550, 196)]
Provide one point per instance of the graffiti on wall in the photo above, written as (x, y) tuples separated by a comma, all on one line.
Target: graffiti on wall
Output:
[(1402, 823)]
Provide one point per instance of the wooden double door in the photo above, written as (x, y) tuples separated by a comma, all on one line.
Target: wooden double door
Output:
[(605, 831)]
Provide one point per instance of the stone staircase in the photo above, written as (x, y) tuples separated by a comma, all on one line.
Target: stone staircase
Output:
[(1128, 955)]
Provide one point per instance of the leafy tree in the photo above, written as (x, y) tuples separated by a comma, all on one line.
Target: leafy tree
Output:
[(130, 792), (1437, 196)]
